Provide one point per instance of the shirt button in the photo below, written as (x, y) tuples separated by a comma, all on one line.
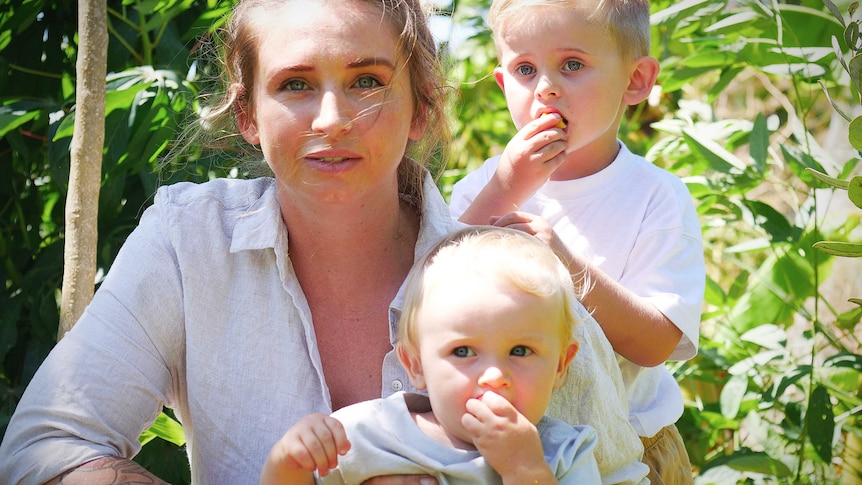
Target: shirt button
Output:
[(396, 385)]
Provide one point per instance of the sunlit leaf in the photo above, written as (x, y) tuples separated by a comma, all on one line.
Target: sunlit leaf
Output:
[(834, 182), (849, 319), (166, 428), (732, 395), (768, 336), (840, 248), (756, 462)]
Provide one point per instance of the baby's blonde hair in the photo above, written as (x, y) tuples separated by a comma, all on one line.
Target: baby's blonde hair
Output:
[(496, 254), (626, 21)]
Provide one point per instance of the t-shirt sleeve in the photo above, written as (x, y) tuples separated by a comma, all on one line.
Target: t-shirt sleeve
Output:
[(464, 191), (569, 451)]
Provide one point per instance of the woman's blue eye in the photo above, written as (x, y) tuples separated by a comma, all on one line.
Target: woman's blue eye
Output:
[(573, 66), (367, 82), (294, 85), (462, 352), (520, 351), (525, 70)]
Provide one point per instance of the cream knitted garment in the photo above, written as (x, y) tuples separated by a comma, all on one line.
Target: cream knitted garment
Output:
[(594, 394)]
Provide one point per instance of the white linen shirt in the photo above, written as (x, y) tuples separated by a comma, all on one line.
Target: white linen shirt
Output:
[(201, 312)]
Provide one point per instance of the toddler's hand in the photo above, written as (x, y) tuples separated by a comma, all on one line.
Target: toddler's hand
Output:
[(531, 156), (504, 436)]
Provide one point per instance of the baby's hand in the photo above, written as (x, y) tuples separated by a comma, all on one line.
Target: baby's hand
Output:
[(312, 444), (504, 436)]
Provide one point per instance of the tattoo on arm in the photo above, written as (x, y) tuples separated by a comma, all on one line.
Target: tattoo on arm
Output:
[(108, 471)]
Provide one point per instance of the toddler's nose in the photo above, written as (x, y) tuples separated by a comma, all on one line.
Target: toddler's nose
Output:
[(493, 377)]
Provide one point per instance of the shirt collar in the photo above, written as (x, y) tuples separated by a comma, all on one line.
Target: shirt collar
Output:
[(260, 225)]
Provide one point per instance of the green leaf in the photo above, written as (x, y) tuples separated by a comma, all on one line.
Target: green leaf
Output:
[(839, 248), (114, 100), (854, 191), (851, 35), (835, 12), (834, 182), (849, 319), (716, 155), (844, 360), (854, 68), (758, 462), (820, 421), (165, 428), (855, 133), (759, 144), (10, 118)]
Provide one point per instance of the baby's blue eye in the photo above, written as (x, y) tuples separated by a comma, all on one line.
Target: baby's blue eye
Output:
[(520, 351), (573, 65), (525, 70), (462, 352)]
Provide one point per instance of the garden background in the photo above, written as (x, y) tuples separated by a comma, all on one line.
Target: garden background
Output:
[(757, 112)]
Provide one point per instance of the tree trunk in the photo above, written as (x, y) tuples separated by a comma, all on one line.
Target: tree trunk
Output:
[(85, 175)]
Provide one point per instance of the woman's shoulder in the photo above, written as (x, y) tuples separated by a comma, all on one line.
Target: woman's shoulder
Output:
[(224, 192)]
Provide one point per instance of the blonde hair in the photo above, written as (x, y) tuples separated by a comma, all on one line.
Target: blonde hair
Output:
[(490, 253), (238, 56), (626, 21)]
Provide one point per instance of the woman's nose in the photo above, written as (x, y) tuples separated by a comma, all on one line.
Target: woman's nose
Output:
[(547, 88), (495, 377), (333, 118)]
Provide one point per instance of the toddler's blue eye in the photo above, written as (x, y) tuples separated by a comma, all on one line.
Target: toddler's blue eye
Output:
[(525, 70), (573, 66), (520, 351), (462, 352)]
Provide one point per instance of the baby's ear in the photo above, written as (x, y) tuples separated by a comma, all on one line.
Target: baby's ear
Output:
[(413, 365), (566, 356), (644, 72)]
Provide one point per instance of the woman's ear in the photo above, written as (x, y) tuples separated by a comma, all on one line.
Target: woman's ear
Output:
[(642, 78), (244, 117), (418, 125), (566, 357), (413, 365)]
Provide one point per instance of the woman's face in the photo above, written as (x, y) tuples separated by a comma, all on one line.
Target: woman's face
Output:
[(332, 108)]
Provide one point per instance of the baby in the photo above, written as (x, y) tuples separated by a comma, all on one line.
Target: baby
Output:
[(487, 330)]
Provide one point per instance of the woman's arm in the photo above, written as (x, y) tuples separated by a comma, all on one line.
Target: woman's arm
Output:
[(106, 471)]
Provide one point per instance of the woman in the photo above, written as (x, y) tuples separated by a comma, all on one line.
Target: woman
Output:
[(208, 308)]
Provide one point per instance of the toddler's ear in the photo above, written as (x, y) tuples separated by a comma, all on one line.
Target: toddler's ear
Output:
[(413, 365), (498, 76), (644, 72)]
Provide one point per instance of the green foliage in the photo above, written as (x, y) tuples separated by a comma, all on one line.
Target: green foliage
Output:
[(749, 90)]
